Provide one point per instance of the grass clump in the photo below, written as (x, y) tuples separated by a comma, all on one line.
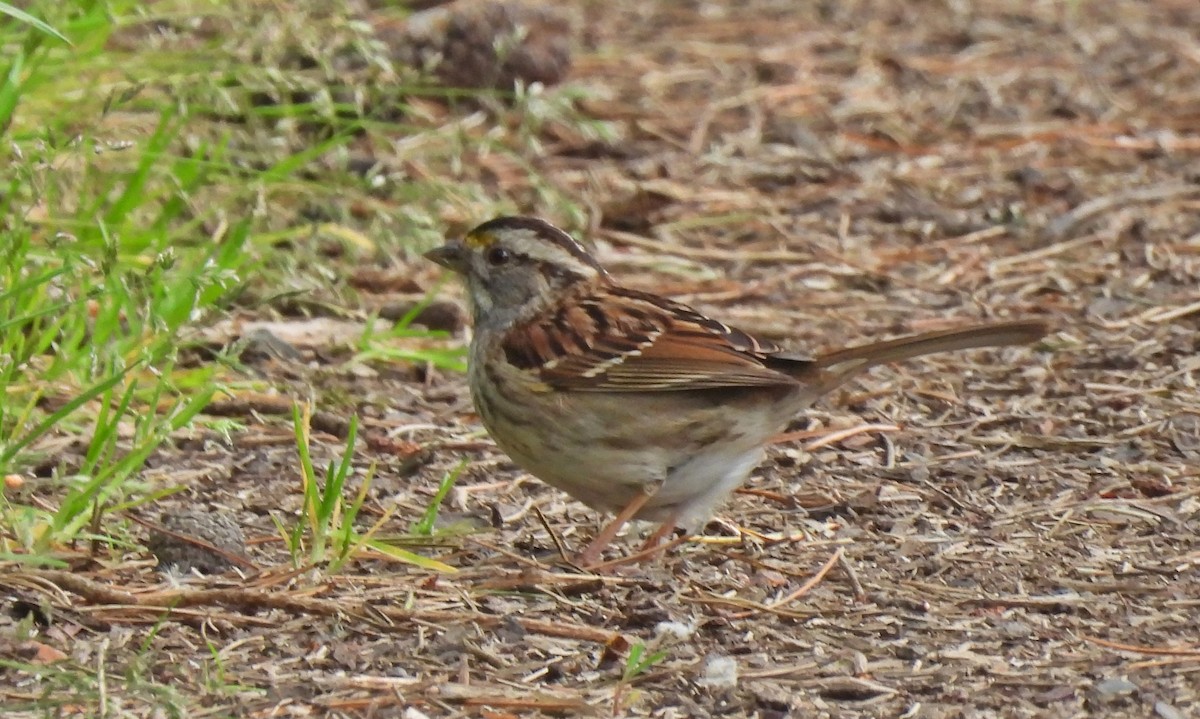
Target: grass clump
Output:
[(129, 219), (104, 271), (164, 166)]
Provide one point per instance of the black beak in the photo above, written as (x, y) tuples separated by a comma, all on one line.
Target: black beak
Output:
[(452, 256)]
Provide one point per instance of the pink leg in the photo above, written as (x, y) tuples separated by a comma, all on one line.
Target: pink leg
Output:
[(664, 530), (592, 552), (653, 546), (644, 553)]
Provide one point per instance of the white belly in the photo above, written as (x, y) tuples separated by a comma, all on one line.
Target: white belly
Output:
[(690, 449)]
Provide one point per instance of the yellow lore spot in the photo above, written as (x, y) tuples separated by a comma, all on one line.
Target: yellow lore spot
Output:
[(479, 240)]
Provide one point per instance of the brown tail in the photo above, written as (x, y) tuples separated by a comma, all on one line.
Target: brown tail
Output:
[(839, 366)]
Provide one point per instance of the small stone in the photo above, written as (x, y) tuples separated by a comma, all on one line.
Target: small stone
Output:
[(1166, 711), (436, 315), (174, 550), (480, 44), (771, 695), (1014, 629), (1116, 687), (262, 344)]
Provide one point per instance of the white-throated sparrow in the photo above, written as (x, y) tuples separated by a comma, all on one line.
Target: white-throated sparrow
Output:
[(630, 402)]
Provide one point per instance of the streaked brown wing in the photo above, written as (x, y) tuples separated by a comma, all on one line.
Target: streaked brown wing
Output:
[(620, 340)]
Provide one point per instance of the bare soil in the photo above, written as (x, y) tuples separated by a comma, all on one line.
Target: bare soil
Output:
[(1022, 541)]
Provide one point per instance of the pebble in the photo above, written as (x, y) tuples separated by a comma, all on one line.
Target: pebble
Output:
[(216, 528), (1115, 687)]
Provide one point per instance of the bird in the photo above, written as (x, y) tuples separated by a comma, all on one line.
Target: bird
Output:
[(630, 402)]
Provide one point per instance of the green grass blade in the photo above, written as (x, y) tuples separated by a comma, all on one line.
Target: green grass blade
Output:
[(424, 527), (10, 90), (408, 557), (61, 413), (36, 23)]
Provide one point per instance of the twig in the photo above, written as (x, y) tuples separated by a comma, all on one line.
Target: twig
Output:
[(502, 698), (1064, 224), (851, 576), (1158, 314), (558, 543), (825, 437), (814, 581), (1164, 651), (168, 601), (849, 432)]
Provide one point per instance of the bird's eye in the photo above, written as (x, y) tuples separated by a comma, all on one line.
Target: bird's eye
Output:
[(498, 256)]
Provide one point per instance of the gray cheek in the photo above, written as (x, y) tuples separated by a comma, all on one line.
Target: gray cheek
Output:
[(504, 296), (512, 288)]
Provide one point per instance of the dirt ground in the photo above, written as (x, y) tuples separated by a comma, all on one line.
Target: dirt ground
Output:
[(1023, 541)]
